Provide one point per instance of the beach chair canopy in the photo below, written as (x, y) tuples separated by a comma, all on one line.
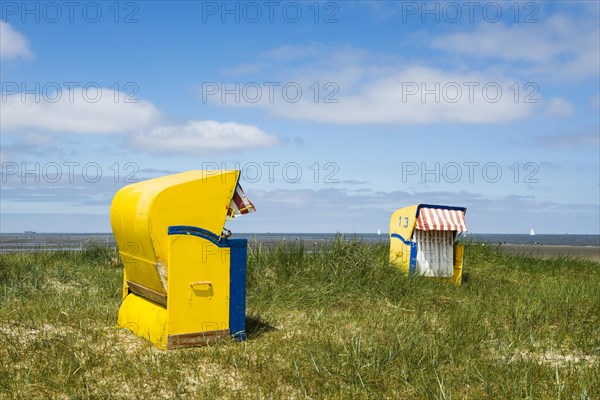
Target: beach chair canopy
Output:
[(434, 218)]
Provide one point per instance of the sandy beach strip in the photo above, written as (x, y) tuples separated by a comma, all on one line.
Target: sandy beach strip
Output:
[(547, 251)]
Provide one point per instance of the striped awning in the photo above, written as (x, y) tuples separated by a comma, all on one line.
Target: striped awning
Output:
[(240, 203), (441, 219)]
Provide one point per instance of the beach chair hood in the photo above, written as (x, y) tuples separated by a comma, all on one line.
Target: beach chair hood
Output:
[(142, 214)]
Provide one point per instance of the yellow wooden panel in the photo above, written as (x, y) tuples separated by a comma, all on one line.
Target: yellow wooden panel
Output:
[(198, 299), (400, 254), (459, 251), (144, 318), (402, 223)]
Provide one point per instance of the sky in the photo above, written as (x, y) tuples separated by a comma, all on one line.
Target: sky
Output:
[(336, 113)]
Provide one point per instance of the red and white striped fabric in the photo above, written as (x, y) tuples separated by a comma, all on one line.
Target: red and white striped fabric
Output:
[(240, 203), (438, 219)]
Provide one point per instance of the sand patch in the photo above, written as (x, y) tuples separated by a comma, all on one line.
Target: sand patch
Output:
[(23, 335), (63, 287), (560, 357)]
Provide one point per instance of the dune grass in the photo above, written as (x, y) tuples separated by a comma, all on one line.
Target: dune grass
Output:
[(335, 323)]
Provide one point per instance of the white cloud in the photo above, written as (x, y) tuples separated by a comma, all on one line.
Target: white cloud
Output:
[(369, 93), (12, 43), (440, 97), (202, 137), (558, 45), (559, 107), (73, 111)]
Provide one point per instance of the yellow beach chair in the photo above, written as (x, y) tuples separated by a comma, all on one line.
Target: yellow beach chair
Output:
[(423, 240), (184, 281)]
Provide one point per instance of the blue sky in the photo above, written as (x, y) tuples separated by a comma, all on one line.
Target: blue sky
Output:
[(336, 112)]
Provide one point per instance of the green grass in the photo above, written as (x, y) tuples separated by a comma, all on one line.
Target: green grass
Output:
[(340, 323)]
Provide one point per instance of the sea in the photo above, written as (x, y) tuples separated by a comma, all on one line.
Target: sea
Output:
[(32, 241)]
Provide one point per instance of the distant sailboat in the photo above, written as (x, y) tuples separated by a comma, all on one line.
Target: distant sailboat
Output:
[(379, 231), (531, 232)]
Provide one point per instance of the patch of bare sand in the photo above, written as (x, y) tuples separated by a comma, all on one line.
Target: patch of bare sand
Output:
[(23, 335), (560, 356), (545, 251), (63, 287)]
